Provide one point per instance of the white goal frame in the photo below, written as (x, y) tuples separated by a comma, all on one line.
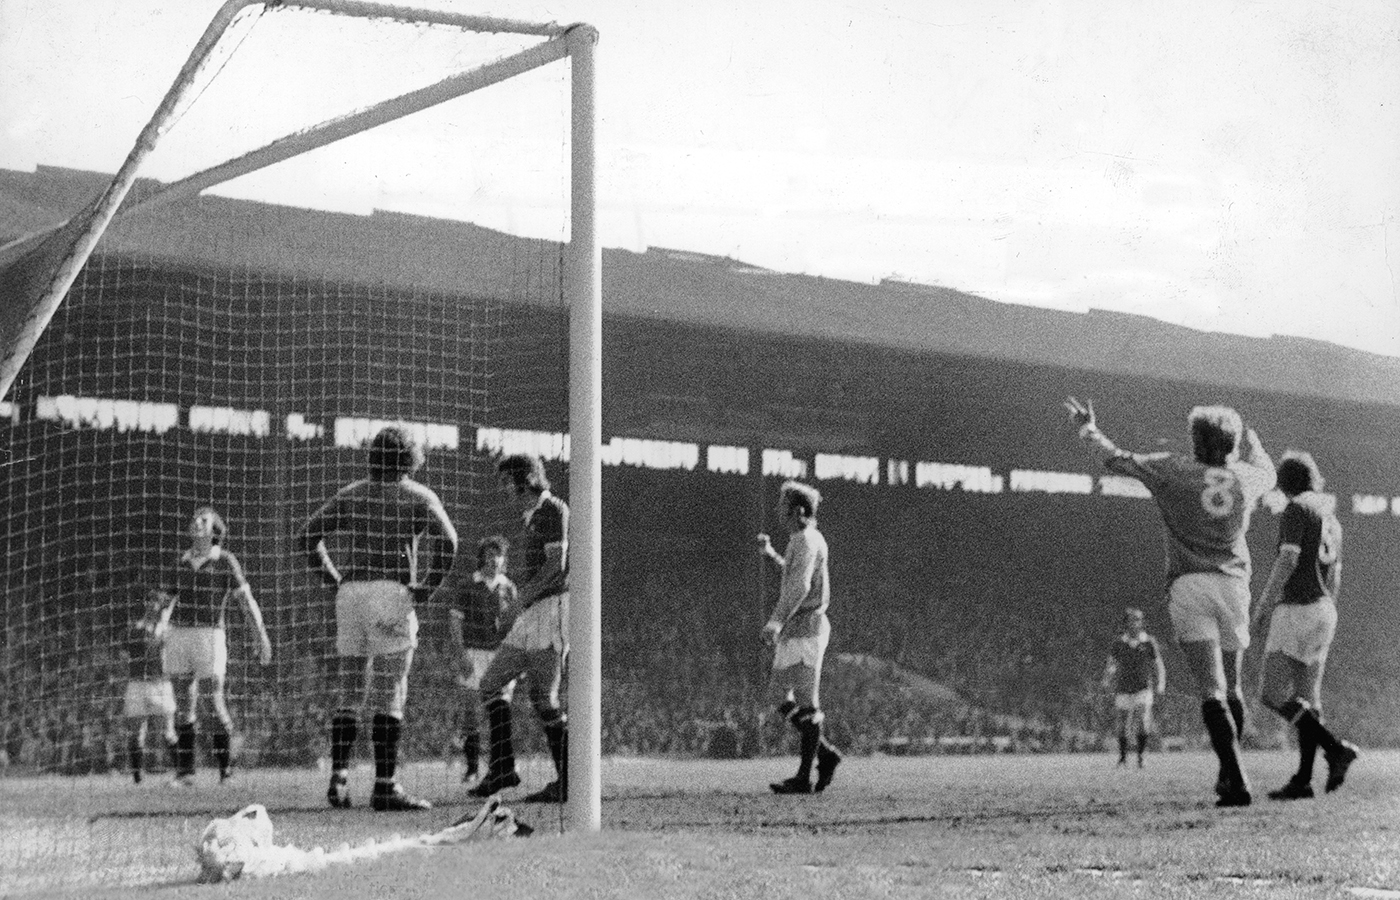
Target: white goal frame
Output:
[(24, 318)]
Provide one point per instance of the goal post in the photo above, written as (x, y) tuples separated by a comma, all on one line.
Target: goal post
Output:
[(37, 272), (584, 290)]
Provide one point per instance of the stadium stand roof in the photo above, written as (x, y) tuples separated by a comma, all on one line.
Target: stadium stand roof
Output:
[(681, 286)]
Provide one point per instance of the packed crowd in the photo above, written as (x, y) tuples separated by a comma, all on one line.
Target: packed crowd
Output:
[(674, 691)]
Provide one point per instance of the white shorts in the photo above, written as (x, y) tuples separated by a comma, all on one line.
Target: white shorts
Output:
[(1131, 702), (1208, 607), (542, 626), (481, 661), (149, 698), (803, 651), (373, 618), (201, 652), (1303, 631)]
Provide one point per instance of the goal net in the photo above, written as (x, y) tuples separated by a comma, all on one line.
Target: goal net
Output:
[(321, 244)]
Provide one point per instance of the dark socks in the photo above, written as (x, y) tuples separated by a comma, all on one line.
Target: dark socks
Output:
[(222, 754), (471, 750), (1307, 752), (344, 728), (384, 734), (499, 728), (809, 728), (1220, 725), (556, 733), (1309, 725), (1236, 704), (184, 748), (135, 754)]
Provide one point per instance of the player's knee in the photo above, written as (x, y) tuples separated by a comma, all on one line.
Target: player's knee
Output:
[(542, 697), (1275, 697), (1290, 707), (543, 708), (551, 716), (807, 715)]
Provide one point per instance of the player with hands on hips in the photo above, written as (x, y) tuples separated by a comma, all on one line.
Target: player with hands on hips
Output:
[(385, 516)]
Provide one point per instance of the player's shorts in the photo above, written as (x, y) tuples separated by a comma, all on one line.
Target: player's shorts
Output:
[(541, 627), (1208, 607), (148, 698), (373, 618), (481, 661), (1303, 631), (1137, 700), (201, 652), (803, 651)]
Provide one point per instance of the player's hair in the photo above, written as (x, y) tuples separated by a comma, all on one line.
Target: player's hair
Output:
[(220, 526), (1215, 431), (802, 496), (495, 545), (1298, 472), (524, 470), (393, 454)]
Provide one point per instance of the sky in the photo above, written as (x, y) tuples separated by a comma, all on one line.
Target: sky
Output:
[(1224, 165)]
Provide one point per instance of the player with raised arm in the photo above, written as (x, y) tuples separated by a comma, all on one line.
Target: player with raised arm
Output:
[(196, 648), (536, 644), (798, 630), (1299, 602), (149, 695), (477, 603), (1137, 675), (1206, 501), (385, 516)]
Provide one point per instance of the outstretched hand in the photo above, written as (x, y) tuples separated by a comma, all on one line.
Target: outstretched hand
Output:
[(1081, 414)]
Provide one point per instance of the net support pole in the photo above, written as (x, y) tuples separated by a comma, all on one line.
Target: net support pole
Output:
[(24, 317), (584, 294)]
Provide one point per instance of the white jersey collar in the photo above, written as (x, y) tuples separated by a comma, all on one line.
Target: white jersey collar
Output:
[(195, 562), (491, 583), (544, 495)]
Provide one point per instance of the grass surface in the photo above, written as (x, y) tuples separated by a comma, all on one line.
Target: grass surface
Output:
[(1008, 826)]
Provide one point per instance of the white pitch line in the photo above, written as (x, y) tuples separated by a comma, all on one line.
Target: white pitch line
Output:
[(1093, 872)]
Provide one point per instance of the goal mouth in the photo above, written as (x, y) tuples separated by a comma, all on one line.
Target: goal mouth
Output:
[(233, 331)]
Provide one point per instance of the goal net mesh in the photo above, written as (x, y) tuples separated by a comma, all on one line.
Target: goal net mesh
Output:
[(239, 350)]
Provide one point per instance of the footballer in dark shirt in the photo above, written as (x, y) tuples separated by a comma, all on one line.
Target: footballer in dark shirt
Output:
[(1300, 603)]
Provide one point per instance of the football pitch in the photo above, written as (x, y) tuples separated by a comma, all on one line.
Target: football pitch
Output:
[(1058, 826)]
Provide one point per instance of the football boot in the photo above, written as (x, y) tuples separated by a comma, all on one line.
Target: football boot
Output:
[(793, 785), (1337, 764), (828, 758)]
